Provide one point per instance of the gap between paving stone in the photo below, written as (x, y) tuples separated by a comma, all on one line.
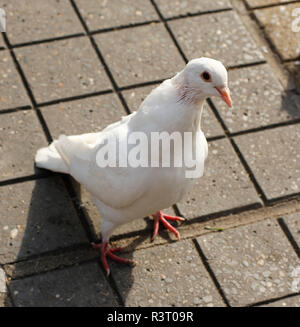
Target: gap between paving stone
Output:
[(49, 262), (290, 301), (142, 240), (266, 3), (196, 226)]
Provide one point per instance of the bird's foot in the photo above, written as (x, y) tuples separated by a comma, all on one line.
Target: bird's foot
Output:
[(159, 216), (106, 251)]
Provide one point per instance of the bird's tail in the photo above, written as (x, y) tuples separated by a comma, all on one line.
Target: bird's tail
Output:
[(50, 158)]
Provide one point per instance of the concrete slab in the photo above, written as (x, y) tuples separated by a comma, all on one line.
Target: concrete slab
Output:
[(37, 217), (13, 94), (273, 157), (148, 53), (221, 36), (277, 23), (114, 13), (77, 286), (33, 20), (83, 116), (170, 275), (225, 184), (258, 100), (63, 71), (255, 262), (20, 137)]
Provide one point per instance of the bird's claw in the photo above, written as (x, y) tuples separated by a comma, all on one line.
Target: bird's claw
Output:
[(106, 251), (159, 216)]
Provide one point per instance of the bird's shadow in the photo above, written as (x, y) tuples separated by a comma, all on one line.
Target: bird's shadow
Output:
[(49, 227), (290, 99)]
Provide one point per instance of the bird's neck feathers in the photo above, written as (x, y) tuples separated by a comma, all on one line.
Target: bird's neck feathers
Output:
[(170, 107), (186, 93)]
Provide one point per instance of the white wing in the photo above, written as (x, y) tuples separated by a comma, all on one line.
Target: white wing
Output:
[(117, 187)]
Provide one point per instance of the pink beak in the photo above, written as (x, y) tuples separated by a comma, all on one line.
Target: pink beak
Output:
[(225, 95)]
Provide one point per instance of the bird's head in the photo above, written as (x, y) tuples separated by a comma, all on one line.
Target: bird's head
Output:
[(202, 78)]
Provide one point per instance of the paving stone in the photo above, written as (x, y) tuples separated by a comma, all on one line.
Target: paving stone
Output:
[(255, 263), (50, 261), (210, 125), (83, 116), (34, 20), (135, 97), (225, 184), (221, 36), (273, 156), (177, 8), (169, 275), (293, 223), (277, 23), (66, 68), (20, 137), (293, 301), (12, 92), (258, 100), (100, 14), (37, 217), (76, 286), (260, 3), (148, 53)]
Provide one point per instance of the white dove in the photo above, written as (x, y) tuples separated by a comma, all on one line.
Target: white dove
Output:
[(122, 194)]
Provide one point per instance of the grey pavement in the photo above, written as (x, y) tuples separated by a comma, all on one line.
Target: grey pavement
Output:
[(74, 66)]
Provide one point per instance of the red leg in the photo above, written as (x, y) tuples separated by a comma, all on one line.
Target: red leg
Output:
[(106, 251), (159, 216), (156, 226)]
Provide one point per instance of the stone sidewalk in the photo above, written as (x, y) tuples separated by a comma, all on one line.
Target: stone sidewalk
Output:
[(74, 66)]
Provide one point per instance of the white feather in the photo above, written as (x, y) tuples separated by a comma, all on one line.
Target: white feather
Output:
[(124, 194)]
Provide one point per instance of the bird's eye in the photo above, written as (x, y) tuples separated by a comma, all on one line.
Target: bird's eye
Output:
[(206, 77)]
